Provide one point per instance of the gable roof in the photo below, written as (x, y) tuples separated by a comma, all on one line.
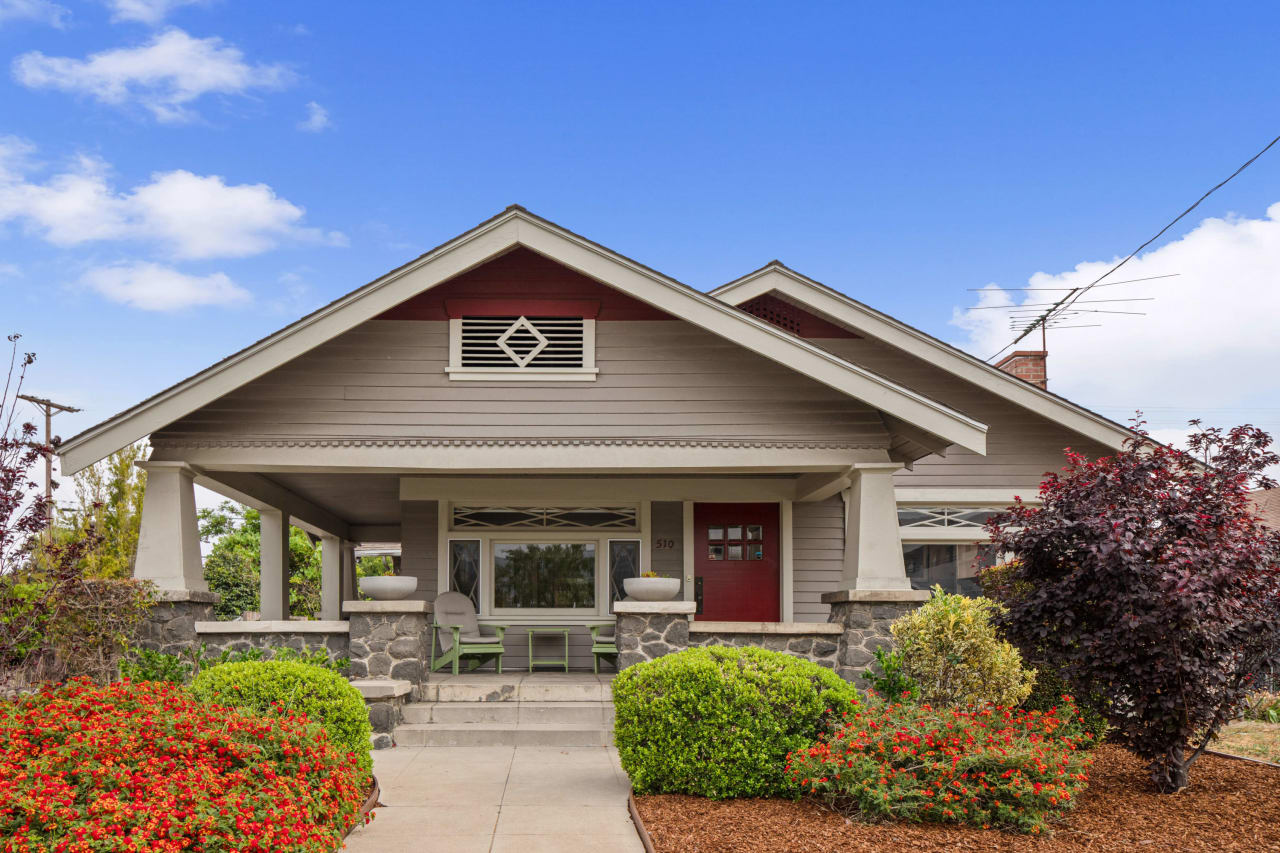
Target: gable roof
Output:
[(514, 227), (776, 277)]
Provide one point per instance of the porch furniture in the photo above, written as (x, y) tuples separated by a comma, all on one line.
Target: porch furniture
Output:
[(549, 629), (461, 635), (604, 644)]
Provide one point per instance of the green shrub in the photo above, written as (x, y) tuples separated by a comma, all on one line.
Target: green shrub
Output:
[(1263, 707), (1050, 692), (986, 766), (719, 722), (950, 649), (147, 665), (291, 687), (887, 678)]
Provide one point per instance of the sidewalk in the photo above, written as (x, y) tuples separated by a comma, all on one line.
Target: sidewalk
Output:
[(499, 799)]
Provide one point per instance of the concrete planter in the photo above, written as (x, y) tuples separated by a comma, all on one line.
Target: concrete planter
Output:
[(388, 587), (651, 589)]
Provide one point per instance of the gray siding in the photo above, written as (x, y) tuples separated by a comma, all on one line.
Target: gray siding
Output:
[(386, 378), (666, 520), (418, 542), (817, 553), (1021, 445)]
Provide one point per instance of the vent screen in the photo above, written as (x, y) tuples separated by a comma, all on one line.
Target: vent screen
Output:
[(522, 342)]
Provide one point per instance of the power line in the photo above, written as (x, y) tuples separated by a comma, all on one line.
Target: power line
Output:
[(1077, 292), (1042, 304), (1108, 284)]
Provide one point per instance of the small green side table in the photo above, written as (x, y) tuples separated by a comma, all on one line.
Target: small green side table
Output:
[(549, 629)]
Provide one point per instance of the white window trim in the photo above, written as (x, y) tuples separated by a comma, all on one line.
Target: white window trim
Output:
[(587, 373)]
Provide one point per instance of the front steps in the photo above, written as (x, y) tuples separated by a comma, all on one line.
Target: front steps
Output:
[(519, 709)]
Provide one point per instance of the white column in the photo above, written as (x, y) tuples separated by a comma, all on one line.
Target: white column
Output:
[(348, 571), (872, 547), (274, 579), (169, 538), (330, 577)]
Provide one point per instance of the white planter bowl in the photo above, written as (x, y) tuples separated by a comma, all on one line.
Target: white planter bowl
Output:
[(651, 589), (388, 587)]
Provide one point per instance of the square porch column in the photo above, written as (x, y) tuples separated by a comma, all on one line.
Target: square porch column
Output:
[(330, 577), (274, 576), (169, 537), (872, 547)]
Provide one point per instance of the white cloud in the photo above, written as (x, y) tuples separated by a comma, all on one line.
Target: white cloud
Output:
[(153, 287), (317, 118), (1207, 345), (10, 271), (188, 215), (145, 11), (165, 75), (40, 11)]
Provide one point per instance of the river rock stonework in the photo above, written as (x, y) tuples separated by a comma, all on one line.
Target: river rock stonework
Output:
[(170, 624), (390, 639), (334, 644), (866, 616), (821, 648), (645, 636)]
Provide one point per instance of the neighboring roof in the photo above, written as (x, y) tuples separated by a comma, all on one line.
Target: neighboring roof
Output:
[(1267, 502), (776, 277), (516, 226)]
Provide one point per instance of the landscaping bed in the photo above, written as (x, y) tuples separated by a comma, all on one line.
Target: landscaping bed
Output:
[(1231, 805)]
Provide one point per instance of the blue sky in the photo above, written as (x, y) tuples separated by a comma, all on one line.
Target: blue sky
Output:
[(178, 179)]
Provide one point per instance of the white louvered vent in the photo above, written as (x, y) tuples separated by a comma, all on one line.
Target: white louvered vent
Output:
[(499, 347)]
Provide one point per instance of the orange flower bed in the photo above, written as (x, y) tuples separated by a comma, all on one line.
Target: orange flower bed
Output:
[(989, 767), (144, 767)]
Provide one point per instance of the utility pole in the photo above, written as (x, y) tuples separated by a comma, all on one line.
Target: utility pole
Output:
[(50, 409)]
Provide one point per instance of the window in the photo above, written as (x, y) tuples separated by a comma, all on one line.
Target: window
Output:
[(541, 517), (945, 516), (953, 567), (464, 568), (544, 575), (624, 562), (735, 542), (506, 348)]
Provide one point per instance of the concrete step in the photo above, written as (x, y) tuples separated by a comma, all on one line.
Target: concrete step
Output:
[(497, 689), (511, 713), (501, 734)]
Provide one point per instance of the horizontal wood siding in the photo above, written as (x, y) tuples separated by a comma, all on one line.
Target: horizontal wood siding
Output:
[(666, 523), (1021, 445), (418, 541), (516, 643), (658, 379), (817, 552)]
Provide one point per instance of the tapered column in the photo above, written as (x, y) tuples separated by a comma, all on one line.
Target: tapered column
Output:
[(872, 547), (275, 564), (330, 577), (348, 571), (169, 537)]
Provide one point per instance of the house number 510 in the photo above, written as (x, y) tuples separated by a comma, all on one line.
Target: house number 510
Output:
[(663, 544)]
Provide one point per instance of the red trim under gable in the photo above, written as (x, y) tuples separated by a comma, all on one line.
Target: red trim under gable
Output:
[(793, 318), (524, 282)]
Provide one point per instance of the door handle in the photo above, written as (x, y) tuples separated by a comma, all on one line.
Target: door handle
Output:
[(697, 596)]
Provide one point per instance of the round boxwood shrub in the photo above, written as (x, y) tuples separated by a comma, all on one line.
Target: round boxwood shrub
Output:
[(718, 722), (292, 687)]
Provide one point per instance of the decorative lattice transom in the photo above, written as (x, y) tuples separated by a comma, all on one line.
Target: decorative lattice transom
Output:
[(945, 516), (557, 518)]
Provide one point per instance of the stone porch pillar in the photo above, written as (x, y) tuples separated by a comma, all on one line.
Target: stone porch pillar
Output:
[(650, 629), (330, 577), (169, 537), (872, 547), (274, 576)]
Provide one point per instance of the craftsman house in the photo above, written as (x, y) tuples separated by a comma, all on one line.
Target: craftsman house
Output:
[(534, 418)]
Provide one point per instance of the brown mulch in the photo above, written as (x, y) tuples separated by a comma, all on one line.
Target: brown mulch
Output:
[(1231, 805)]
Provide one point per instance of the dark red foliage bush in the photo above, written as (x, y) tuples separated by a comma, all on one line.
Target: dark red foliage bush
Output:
[(1146, 580)]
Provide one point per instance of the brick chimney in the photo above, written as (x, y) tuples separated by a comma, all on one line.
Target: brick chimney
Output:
[(1028, 365)]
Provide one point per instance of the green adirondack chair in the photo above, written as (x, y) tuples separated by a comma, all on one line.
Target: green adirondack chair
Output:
[(461, 636), (603, 645)]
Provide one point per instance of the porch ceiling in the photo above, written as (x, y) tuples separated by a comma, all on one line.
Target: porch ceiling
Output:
[(355, 498)]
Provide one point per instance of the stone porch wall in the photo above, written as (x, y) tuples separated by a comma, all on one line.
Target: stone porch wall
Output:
[(815, 641), (306, 636), (170, 624)]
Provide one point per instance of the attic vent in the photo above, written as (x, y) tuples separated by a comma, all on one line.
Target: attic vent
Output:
[(542, 347), (775, 311)]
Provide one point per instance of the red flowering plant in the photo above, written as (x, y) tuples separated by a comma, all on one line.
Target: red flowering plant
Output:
[(144, 767), (986, 766)]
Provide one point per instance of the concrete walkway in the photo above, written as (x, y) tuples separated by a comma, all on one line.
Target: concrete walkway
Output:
[(499, 799)]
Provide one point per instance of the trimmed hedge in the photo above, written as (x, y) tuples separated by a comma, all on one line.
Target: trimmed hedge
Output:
[(291, 687), (718, 722)]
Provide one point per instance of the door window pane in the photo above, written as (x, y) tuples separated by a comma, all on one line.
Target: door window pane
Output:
[(715, 552), (715, 533), (464, 569), (755, 551), (735, 532), (624, 562), (755, 532), (735, 552), (560, 575)]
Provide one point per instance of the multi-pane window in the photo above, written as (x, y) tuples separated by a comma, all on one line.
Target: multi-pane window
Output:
[(464, 568), (735, 542), (945, 516)]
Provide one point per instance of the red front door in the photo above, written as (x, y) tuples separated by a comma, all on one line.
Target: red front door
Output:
[(736, 561)]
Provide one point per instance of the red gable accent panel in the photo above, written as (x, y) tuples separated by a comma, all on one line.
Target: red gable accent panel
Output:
[(793, 318), (523, 282)]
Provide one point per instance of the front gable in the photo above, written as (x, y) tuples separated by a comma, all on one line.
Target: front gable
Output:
[(755, 350)]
